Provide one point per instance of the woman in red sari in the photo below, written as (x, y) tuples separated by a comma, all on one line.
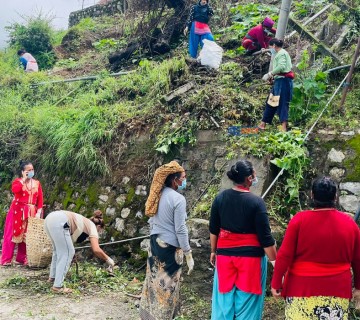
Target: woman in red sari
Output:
[(27, 202)]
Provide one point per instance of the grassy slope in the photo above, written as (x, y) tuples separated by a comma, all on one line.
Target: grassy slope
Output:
[(73, 127)]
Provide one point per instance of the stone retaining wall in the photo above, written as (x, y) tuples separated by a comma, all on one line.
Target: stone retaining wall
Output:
[(110, 8)]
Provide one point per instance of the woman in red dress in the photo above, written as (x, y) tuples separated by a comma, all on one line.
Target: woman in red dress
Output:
[(27, 202)]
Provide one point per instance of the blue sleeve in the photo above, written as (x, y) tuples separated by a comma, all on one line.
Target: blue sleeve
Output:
[(23, 62)]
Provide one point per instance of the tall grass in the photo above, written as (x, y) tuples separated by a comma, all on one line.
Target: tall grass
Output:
[(65, 132)]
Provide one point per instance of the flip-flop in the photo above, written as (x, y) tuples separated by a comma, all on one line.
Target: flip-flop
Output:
[(8, 264), (61, 290)]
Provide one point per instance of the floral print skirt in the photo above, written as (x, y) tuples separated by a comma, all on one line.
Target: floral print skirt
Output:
[(160, 295), (314, 308)]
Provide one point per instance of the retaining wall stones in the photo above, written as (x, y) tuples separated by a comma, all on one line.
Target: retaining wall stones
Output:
[(109, 8)]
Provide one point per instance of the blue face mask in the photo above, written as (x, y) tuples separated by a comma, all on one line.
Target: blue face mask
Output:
[(273, 51), (30, 174), (254, 182), (183, 185)]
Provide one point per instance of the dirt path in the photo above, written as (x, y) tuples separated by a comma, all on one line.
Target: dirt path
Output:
[(17, 304)]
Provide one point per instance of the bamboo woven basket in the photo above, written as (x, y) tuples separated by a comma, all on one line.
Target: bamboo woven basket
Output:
[(38, 244)]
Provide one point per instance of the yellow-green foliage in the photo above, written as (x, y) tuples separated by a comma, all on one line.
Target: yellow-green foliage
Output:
[(65, 127), (353, 164)]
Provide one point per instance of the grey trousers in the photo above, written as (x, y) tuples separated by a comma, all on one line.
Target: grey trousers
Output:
[(63, 247)]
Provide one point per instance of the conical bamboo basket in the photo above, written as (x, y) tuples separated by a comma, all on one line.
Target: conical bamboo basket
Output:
[(38, 244)]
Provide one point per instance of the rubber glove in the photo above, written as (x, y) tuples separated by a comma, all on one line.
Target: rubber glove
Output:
[(189, 261), (186, 31), (267, 77), (273, 263), (38, 214), (111, 264)]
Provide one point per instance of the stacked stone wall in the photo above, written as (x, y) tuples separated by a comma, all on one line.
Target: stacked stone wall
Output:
[(109, 8)]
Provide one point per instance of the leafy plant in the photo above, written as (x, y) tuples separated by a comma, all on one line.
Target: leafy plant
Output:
[(244, 17), (109, 44), (286, 151), (307, 7), (289, 153), (309, 91), (35, 35), (178, 133)]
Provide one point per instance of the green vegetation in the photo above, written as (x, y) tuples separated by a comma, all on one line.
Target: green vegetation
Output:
[(87, 277), (286, 150), (307, 7), (352, 164), (243, 18), (309, 91), (36, 36)]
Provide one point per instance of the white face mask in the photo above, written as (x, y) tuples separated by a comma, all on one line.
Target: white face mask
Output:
[(254, 182)]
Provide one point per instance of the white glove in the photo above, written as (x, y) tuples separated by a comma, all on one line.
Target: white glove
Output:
[(189, 261), (273, 263), (186, 31), (111, 264), (267, 76), (38, 214)]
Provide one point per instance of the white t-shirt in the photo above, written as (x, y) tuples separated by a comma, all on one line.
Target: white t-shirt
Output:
[(80, 226)]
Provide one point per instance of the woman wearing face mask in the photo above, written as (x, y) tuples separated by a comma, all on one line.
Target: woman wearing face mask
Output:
[(169, 241), (198, 25), (27, 202), (258, 37), (240, 237), (281, 93), (319, 257)]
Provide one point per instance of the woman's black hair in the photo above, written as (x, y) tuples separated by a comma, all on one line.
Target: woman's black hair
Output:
[(277, 42), (324, 192), (22, 165), (21, 51), (171, 177), (240, 171)]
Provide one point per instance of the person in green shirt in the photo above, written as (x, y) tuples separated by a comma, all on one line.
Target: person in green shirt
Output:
[(281, 93)]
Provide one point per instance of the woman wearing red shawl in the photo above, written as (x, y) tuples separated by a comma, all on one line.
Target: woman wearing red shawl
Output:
[(27, 202), (314, 263), (259, 36)]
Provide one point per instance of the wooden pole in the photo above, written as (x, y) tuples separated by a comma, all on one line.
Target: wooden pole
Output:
[(349, 77), (81, 78)]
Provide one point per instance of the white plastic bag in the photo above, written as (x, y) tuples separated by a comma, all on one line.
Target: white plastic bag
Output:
[(211, 54)]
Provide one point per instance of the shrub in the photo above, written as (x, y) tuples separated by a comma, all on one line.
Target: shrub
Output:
[(35, 36)]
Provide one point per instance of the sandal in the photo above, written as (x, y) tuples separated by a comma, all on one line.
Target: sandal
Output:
[(61, 290), (50, 280), (7, 264)]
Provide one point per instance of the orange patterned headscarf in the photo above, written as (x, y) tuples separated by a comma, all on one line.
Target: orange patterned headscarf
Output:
[(161, 173)]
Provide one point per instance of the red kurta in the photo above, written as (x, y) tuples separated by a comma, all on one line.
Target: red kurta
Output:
[(323, 243), (25, 204)]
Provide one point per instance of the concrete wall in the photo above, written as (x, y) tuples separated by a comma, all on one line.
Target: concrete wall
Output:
[(112, 7)]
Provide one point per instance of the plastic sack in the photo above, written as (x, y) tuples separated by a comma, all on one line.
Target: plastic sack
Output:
[(211, 54)]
